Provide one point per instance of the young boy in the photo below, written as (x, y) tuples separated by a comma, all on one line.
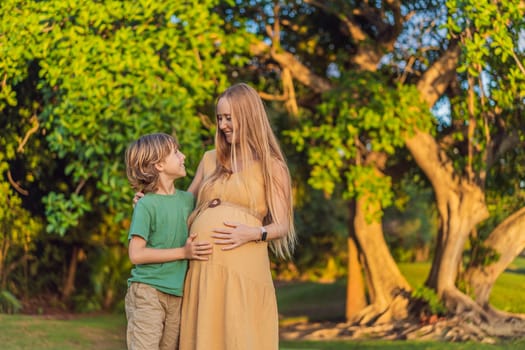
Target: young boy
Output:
[(158, 243)]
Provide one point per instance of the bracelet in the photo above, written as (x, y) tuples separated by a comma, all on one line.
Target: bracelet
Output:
[(264, 233)]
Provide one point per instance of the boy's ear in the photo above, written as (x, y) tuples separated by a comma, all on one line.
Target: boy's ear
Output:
[(159, 166)]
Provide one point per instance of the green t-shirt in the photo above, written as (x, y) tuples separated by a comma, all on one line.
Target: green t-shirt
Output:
[(162, 221)]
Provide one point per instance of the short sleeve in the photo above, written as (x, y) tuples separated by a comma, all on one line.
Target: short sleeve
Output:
[(141, 221)]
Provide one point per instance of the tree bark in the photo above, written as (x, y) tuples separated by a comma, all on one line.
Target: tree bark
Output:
[(355, 286), (298, 70), (507, 239), (386, 284), (438, 77), (3, 259), (69, 283), (461, 204), (422, 253), (461, 207)]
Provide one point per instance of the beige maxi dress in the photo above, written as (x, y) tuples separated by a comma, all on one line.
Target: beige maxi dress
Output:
[(229, 300)]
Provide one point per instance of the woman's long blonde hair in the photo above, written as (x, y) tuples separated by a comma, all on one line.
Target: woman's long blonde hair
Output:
[(256, 141)]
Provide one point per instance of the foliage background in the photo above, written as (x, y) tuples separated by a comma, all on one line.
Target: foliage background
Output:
[(81, 79)]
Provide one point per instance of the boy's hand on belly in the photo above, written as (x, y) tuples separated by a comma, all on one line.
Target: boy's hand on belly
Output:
[(235, 234), (196, 250)]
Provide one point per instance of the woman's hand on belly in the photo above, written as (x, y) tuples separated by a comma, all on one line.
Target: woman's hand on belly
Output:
[(235, 234)]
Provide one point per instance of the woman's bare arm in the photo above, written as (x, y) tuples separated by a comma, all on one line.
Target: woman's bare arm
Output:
[(197, 180)]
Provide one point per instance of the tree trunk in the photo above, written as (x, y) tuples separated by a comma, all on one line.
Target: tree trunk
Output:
[(461, 207), (422, 253), (461, 204), (387, 286), (3, 260), (508, 240), (355, 286), (69, 283)]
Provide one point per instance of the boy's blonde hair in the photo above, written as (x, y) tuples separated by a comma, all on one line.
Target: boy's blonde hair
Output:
[(141, 157)]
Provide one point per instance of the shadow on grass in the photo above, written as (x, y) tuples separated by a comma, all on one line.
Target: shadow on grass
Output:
[(516, 271), (312, 301)]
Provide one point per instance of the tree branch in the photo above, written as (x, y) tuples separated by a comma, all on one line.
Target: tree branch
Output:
[(15, 184), (31, 131), (501, 145), (424, 148), (353, 28), (298, 70), (518, 62), (436, 79), (80, 185), (270, 97)]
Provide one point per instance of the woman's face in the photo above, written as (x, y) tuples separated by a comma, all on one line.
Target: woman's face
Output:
[(224, 119)]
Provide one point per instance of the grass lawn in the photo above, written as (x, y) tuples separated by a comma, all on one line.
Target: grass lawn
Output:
[(100, 332), (507, 293), (309, 301), (107, 332), (317, 301)]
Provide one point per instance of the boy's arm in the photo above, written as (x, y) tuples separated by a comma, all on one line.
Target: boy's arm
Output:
[(140, 254)]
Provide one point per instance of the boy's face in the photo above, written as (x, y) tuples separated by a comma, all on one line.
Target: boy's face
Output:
[(173, 165)]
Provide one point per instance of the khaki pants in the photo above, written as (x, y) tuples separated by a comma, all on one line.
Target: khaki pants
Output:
[(153, 318)]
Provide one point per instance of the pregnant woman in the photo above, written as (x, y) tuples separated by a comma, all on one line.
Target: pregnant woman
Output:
[(244, 204)]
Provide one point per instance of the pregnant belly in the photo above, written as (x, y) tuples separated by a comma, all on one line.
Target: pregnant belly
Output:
[(249, 259)]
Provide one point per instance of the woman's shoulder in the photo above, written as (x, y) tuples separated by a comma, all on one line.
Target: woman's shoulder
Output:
[(209, 160), (210, 154), (279, 169), (277, 164)]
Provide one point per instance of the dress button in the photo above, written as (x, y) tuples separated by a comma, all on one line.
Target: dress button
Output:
[(214, 202)]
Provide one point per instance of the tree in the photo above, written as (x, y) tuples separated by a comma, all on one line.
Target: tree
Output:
[(324, 50), (491, 113), (328, 48), (80, 80)]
